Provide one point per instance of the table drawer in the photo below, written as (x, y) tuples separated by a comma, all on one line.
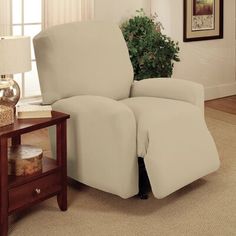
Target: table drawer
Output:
[(37, 190)]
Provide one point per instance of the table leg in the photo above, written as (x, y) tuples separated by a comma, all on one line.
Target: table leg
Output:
[(3, 187), (16, 140), (62, 162)]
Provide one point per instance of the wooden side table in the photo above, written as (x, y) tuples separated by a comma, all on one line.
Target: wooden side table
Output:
[(18, 193)]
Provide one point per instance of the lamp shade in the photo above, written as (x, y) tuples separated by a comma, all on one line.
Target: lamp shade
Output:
[(15, 55)]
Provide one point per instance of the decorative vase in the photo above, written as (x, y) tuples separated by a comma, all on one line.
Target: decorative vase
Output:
[(9, 92)]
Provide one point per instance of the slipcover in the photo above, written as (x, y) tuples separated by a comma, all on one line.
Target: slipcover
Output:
[(174, 141), (101, 144), (85, 70)]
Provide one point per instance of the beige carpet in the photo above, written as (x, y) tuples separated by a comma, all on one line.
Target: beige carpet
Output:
[(207, 207)]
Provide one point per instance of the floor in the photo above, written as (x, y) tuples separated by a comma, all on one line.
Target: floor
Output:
[(227, 104)]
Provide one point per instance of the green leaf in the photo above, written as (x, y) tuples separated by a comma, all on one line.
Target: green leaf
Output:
[(152, 53)]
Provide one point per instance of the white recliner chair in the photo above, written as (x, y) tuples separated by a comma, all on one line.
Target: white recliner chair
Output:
[(85, 70)]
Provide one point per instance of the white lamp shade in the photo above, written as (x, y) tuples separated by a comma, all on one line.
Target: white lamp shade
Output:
[(15, 56)]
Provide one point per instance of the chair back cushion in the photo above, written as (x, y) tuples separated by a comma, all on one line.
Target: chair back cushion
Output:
[(83, 58)]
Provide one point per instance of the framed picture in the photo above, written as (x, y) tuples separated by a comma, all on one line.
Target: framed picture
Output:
[(203, 19)]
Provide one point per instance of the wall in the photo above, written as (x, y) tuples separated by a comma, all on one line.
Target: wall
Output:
[(211, 63), (118, 10)]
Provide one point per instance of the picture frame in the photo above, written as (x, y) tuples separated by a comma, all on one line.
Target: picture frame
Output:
[(203, 20)]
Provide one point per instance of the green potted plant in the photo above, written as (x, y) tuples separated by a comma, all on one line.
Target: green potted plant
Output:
[(152, 53)]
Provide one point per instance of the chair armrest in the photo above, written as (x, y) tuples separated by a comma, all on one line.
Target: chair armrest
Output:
[(170, 88), (101, 143)]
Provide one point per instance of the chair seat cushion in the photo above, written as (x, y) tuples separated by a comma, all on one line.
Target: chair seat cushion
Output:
[(174, 141)]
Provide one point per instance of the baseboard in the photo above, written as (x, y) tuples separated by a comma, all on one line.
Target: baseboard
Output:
[(219, 91)]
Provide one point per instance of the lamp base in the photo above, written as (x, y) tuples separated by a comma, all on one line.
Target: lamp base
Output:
[(9, 92)]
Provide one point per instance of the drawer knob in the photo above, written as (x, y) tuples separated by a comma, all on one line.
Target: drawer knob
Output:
[(38, 191)]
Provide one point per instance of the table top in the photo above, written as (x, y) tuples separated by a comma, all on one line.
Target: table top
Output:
[(21, 126)]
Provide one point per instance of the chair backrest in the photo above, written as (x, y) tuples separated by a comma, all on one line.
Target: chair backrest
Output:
[(83, 58)]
